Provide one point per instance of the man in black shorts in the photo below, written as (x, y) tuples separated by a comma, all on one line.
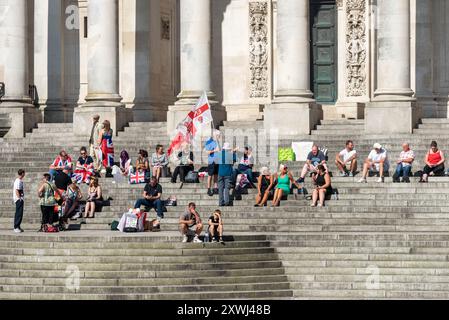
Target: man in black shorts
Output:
[(212, 149)]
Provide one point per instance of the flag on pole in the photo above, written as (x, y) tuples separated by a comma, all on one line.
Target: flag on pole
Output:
[(191, 127)]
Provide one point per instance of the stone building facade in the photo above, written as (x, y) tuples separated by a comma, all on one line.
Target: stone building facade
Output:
[(290, 63)]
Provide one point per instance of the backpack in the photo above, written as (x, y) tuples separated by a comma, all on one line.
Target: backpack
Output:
[(192, 177)]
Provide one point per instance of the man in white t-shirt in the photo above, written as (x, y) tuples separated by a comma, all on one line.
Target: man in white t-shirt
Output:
[(18, 198), (404, 166), (377, 162), (348, 156)]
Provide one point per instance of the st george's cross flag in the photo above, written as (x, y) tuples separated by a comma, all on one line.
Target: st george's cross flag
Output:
[(190, 128)]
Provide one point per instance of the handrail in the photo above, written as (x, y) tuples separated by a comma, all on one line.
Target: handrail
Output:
[(2, 89)]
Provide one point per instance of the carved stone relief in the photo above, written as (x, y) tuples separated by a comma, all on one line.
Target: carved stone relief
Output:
[(356, 47), (259, 49)]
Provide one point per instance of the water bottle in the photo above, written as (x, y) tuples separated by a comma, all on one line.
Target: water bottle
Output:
[(206, 237)]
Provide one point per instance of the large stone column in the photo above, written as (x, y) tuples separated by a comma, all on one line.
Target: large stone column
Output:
[(196, 54), (294, 110), (424, 48), (48, 60), (103, 96), (393, 109), (14, 67)]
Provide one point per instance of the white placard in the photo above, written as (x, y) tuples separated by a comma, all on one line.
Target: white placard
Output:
[(302, 150)]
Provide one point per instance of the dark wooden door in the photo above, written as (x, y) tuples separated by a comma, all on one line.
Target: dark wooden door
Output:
[(323, 23)]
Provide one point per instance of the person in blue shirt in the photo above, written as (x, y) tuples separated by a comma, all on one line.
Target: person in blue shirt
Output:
[(226, 159), (212, 149)]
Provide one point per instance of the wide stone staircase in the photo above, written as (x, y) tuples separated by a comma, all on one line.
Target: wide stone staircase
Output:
[(376, 241)]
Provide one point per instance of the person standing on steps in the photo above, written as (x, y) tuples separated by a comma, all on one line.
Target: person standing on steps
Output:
[(348, 156), (18, 197), (94, 147), (226, 159), (107, 146), (212, 148), (47, 201), (190, 224)]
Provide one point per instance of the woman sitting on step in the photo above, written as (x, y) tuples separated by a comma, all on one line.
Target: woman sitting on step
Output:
[(95, 198), (434, 162), (284, 180), (159, 162), (72, 199), (143, 165), (323, 188), (264, 187)]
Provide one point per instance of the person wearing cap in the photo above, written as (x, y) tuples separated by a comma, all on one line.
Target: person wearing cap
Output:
[(264, 187), (434, 162), (226, 159), (94, 136), (404, 164), (377, 162)]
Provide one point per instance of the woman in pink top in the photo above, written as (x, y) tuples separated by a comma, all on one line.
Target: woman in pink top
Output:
[(434, 162)]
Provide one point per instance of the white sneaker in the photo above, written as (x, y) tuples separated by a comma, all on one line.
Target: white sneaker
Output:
[(18, 230), (185, 239), (197, 240), (319, 205), (380, 180), (363, 180)]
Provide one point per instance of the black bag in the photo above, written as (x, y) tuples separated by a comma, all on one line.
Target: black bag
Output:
[(130, 230), (171, 201), (192, 177)]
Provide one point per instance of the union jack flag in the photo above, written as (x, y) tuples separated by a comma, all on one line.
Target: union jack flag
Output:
[(83, 174), (108, 152), (137, 178)]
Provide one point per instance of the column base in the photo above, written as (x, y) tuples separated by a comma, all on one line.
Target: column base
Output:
[(56, 113), (293, 118), (351, 110), (144, 112), (24, 117), (244, 112), (177, 113), (116, 113), (384, 117)]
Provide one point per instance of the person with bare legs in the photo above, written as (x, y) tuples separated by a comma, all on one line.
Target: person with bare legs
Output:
[(216, 226), (190, 224), (284, 179), (264, 186), (323, 188), (348, 156), (377, 162)]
